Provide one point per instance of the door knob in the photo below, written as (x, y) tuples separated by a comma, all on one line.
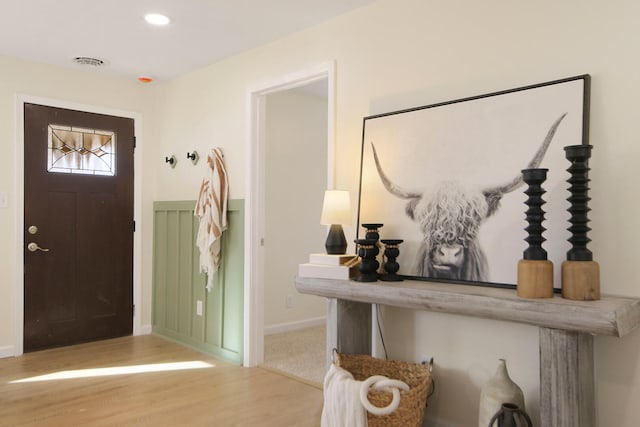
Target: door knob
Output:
[(33, 246)]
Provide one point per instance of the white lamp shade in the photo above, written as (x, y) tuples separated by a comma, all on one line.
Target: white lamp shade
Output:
[(336, 208)]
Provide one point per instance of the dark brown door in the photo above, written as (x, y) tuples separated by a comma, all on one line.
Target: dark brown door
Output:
[(78, 237)]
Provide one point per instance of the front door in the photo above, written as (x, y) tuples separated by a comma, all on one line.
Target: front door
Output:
[(78, 216)]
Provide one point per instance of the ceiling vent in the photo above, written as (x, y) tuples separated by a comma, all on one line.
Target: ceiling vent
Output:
[(88, 61)]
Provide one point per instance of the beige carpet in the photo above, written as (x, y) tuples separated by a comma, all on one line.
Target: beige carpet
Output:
[(299, 353)]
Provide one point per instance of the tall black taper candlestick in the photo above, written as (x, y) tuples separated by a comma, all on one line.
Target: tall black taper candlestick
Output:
[(535, 272), (535, 215), (580, 274), (579, 155)]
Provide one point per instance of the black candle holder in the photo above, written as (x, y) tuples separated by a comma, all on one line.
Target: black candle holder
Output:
[(372, 231), (535, 272), (535, 215), (580, 274), (579, 155), (391, 266), (367, 251)]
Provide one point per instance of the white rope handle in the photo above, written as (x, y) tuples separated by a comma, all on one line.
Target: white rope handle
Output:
[(383, 383)]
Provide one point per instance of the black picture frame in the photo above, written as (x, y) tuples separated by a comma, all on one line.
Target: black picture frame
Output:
[(462, 149)]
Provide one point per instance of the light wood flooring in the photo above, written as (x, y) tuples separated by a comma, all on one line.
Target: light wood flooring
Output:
[(217, 395)]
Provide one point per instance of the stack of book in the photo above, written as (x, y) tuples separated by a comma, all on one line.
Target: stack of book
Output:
[(330, 266)]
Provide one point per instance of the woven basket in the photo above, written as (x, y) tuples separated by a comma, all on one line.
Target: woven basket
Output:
[(412, 403)]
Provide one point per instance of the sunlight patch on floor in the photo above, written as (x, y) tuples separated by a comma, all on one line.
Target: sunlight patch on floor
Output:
[(118, 370)]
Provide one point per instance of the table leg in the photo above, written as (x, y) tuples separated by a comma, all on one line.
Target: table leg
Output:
[(567, 396), (348, 327)]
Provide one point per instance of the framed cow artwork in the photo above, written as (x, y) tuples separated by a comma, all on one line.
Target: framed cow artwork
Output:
[(447, 179)]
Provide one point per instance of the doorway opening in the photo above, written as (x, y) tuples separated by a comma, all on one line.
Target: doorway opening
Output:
[(295, 139), (276, 181)]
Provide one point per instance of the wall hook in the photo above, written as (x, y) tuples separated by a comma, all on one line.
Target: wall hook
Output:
[(171, 160), (193, 157)]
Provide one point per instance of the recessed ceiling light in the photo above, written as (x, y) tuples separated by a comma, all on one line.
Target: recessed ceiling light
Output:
[(157, 19)]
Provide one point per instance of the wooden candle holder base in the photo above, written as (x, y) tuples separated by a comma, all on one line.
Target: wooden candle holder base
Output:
[(581, 280), (535, 278)]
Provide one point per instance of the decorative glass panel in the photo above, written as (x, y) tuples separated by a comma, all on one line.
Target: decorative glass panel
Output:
[(81, 151)]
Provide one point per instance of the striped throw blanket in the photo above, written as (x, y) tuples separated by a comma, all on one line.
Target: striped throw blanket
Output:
[(211, 208)]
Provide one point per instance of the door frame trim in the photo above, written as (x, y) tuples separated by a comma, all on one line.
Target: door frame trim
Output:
[(254, 183), (22, 99)]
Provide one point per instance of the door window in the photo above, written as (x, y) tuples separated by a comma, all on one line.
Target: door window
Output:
[(81, 151)]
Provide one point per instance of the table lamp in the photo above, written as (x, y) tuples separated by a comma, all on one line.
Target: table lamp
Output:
[(336, 210)]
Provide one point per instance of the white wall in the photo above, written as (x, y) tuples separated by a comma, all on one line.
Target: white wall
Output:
[(391, 55), (296, 177), (403, 53)]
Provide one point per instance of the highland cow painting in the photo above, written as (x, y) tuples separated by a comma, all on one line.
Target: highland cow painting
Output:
[(446, 178)]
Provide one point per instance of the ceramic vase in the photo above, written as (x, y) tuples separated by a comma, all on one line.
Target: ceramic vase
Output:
[(498, 390), (510, 416)]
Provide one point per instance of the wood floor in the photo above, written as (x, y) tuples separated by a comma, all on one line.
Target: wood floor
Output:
[(218, 395)]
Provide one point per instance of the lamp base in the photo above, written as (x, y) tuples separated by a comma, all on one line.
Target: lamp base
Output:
[(336, 243)]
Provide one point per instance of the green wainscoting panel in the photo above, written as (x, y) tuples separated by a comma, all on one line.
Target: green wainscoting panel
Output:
[(178, 284)]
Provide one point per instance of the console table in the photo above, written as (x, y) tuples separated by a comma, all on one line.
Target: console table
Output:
[(567, 327)]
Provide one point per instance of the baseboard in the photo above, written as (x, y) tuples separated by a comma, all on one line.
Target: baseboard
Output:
[(280, 328), (145, 330), (434, 422), (203, 347), (7, 351)]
